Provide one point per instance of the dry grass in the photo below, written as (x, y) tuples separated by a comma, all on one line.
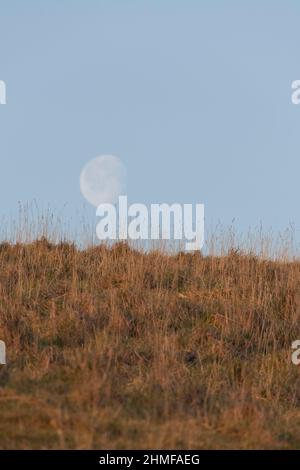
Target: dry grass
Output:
[(111, 348)]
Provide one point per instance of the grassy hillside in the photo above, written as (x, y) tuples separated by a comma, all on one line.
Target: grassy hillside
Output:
[(111, 348)]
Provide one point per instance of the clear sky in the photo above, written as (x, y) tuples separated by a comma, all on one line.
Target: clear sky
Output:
[(193, 96)]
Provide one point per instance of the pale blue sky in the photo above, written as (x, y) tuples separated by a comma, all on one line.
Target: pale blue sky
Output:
[(193, 96)]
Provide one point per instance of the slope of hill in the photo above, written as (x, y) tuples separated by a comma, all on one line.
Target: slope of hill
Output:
[(111, 348)]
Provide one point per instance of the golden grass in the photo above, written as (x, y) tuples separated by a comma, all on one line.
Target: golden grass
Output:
[(113, 348)]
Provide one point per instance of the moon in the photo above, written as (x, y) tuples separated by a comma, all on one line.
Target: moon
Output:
[(103, 180)]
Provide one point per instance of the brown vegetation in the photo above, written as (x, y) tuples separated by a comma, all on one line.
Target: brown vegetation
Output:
[(112, 348)]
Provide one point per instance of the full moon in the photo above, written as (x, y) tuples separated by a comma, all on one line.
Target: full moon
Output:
[(103, 180)]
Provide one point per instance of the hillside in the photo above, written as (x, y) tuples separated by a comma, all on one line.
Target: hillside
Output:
[(112, 348)]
